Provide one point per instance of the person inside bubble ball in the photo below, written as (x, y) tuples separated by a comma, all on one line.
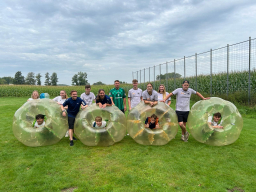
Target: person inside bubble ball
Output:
[(102, 100), (39, 121), (34, 95), (152, 122), (183, 106), (150, 96), (215, 121), (98, 123)]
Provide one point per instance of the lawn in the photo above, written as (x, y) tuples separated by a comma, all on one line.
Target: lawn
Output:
[(126, 166)]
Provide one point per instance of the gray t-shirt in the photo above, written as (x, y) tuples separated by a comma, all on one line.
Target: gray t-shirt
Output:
[(183, 98), (153, 97), (88, 98), (160, 97), (135, 96)]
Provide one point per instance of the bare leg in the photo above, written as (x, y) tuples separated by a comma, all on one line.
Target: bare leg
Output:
[(70, 131), (183, 127)]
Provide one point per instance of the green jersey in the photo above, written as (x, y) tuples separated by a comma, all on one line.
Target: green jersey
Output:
[(118, 95)]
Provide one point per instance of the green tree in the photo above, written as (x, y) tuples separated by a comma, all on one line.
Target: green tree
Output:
[(18, 78), (47, 79), (30, 79), (38, 79), (2, 81), (8, 80), (169, 76), (98, 83), (54, 79), (82, 78), (75, 80)]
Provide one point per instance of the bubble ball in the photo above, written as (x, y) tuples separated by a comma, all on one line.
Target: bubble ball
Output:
[(114, 131), (203, 132), (44, 96), (55, 124), (168, 123)]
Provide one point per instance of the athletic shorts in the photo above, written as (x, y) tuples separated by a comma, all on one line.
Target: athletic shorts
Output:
[(122, 110), (71, 122), (182, 116)]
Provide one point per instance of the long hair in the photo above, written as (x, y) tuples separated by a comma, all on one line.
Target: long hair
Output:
[(66, 96), (164, 94), (37, 94), (98, 96)]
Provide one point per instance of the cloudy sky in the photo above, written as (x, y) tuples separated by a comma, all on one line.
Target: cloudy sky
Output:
[(110, 39)]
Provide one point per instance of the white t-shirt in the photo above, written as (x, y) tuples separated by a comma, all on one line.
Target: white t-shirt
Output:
[(135, 96), (39, 126), (183, 98), (160, 97), (88, 98), (30, 99), (104, 123), (59, 100), (213, 123)]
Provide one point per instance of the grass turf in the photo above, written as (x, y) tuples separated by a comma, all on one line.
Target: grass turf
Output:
[(125, 166)]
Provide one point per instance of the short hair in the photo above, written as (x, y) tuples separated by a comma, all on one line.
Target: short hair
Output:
[(98, 118), (150, 84), (87, 86), (72, 92), (134, 81), (154, 116), (40, 116), (185, 81), (217, 114), (117, 81)]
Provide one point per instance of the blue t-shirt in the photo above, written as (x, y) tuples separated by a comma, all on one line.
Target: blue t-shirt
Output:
[(105, 100), (73, 106)]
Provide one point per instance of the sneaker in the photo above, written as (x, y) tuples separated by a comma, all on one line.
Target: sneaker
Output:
[(182, 137), (67, 134), (71, 143), (74, 138), (186, 136)]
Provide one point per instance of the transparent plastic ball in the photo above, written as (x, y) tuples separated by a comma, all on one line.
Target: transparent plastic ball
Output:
[(204, 132), (52, 132), (168, 123), (114, 131)]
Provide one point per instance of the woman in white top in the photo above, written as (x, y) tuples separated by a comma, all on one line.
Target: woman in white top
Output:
[(162, 94), (60, 100), (34, 95)]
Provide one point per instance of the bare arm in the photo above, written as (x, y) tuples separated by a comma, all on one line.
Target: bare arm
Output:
[(201, 96), (124, 100), (167, 97), (169, 103), (112, 100), (141, 98), (129, 103)]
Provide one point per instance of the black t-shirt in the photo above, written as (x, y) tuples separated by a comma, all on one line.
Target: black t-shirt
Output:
[(151, 125)]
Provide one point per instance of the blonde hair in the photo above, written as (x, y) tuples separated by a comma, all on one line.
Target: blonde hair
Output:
[(37, 94), (164, 94), (66, 96), (98, 118)]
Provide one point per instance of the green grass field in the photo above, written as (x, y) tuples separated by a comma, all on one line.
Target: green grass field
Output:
[(126, 166)]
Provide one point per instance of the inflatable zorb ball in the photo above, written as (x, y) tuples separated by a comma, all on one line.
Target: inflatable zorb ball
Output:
[(203, 132), (114, 131), (168, 123), (55, 124), (44, 96)]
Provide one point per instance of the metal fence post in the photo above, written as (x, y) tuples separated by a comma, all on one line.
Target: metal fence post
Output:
[(249, 78), (154, 76), (160, 74), (174, 75), (137, 76), (196, 68), (184, 68), (144, 77), (140, 76), (149, 73), (227, 68), (166, 75), (211, 72)]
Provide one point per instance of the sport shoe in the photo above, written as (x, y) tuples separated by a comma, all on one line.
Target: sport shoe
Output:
[(182, 137), (186, 136), (74, 138), (71, 143), (66, 134)]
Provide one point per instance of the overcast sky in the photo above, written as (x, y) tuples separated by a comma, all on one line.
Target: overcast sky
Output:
[(109, 39)]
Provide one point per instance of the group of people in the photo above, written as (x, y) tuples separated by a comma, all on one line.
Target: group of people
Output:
[(71, 106)]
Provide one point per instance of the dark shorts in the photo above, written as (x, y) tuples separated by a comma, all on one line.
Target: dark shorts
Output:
[(182, 116), (122, 110), (71, 122)]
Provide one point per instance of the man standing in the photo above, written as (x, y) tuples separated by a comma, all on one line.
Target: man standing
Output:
[(88, 96), (118, 97), (134, 95), (73, 104)]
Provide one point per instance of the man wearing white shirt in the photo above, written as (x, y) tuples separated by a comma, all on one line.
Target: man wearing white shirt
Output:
[(134, 95), (88, 96)]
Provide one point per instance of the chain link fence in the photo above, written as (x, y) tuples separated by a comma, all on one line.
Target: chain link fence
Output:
[(228, 72)]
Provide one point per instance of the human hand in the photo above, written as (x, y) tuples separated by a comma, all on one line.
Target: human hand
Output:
[(124, 108), (207, 98), (130, 108), (105, 105), (64, 114)]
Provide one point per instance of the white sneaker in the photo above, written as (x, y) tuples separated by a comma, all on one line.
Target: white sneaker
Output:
[(182, 137), (186, 136), (67, 135)]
